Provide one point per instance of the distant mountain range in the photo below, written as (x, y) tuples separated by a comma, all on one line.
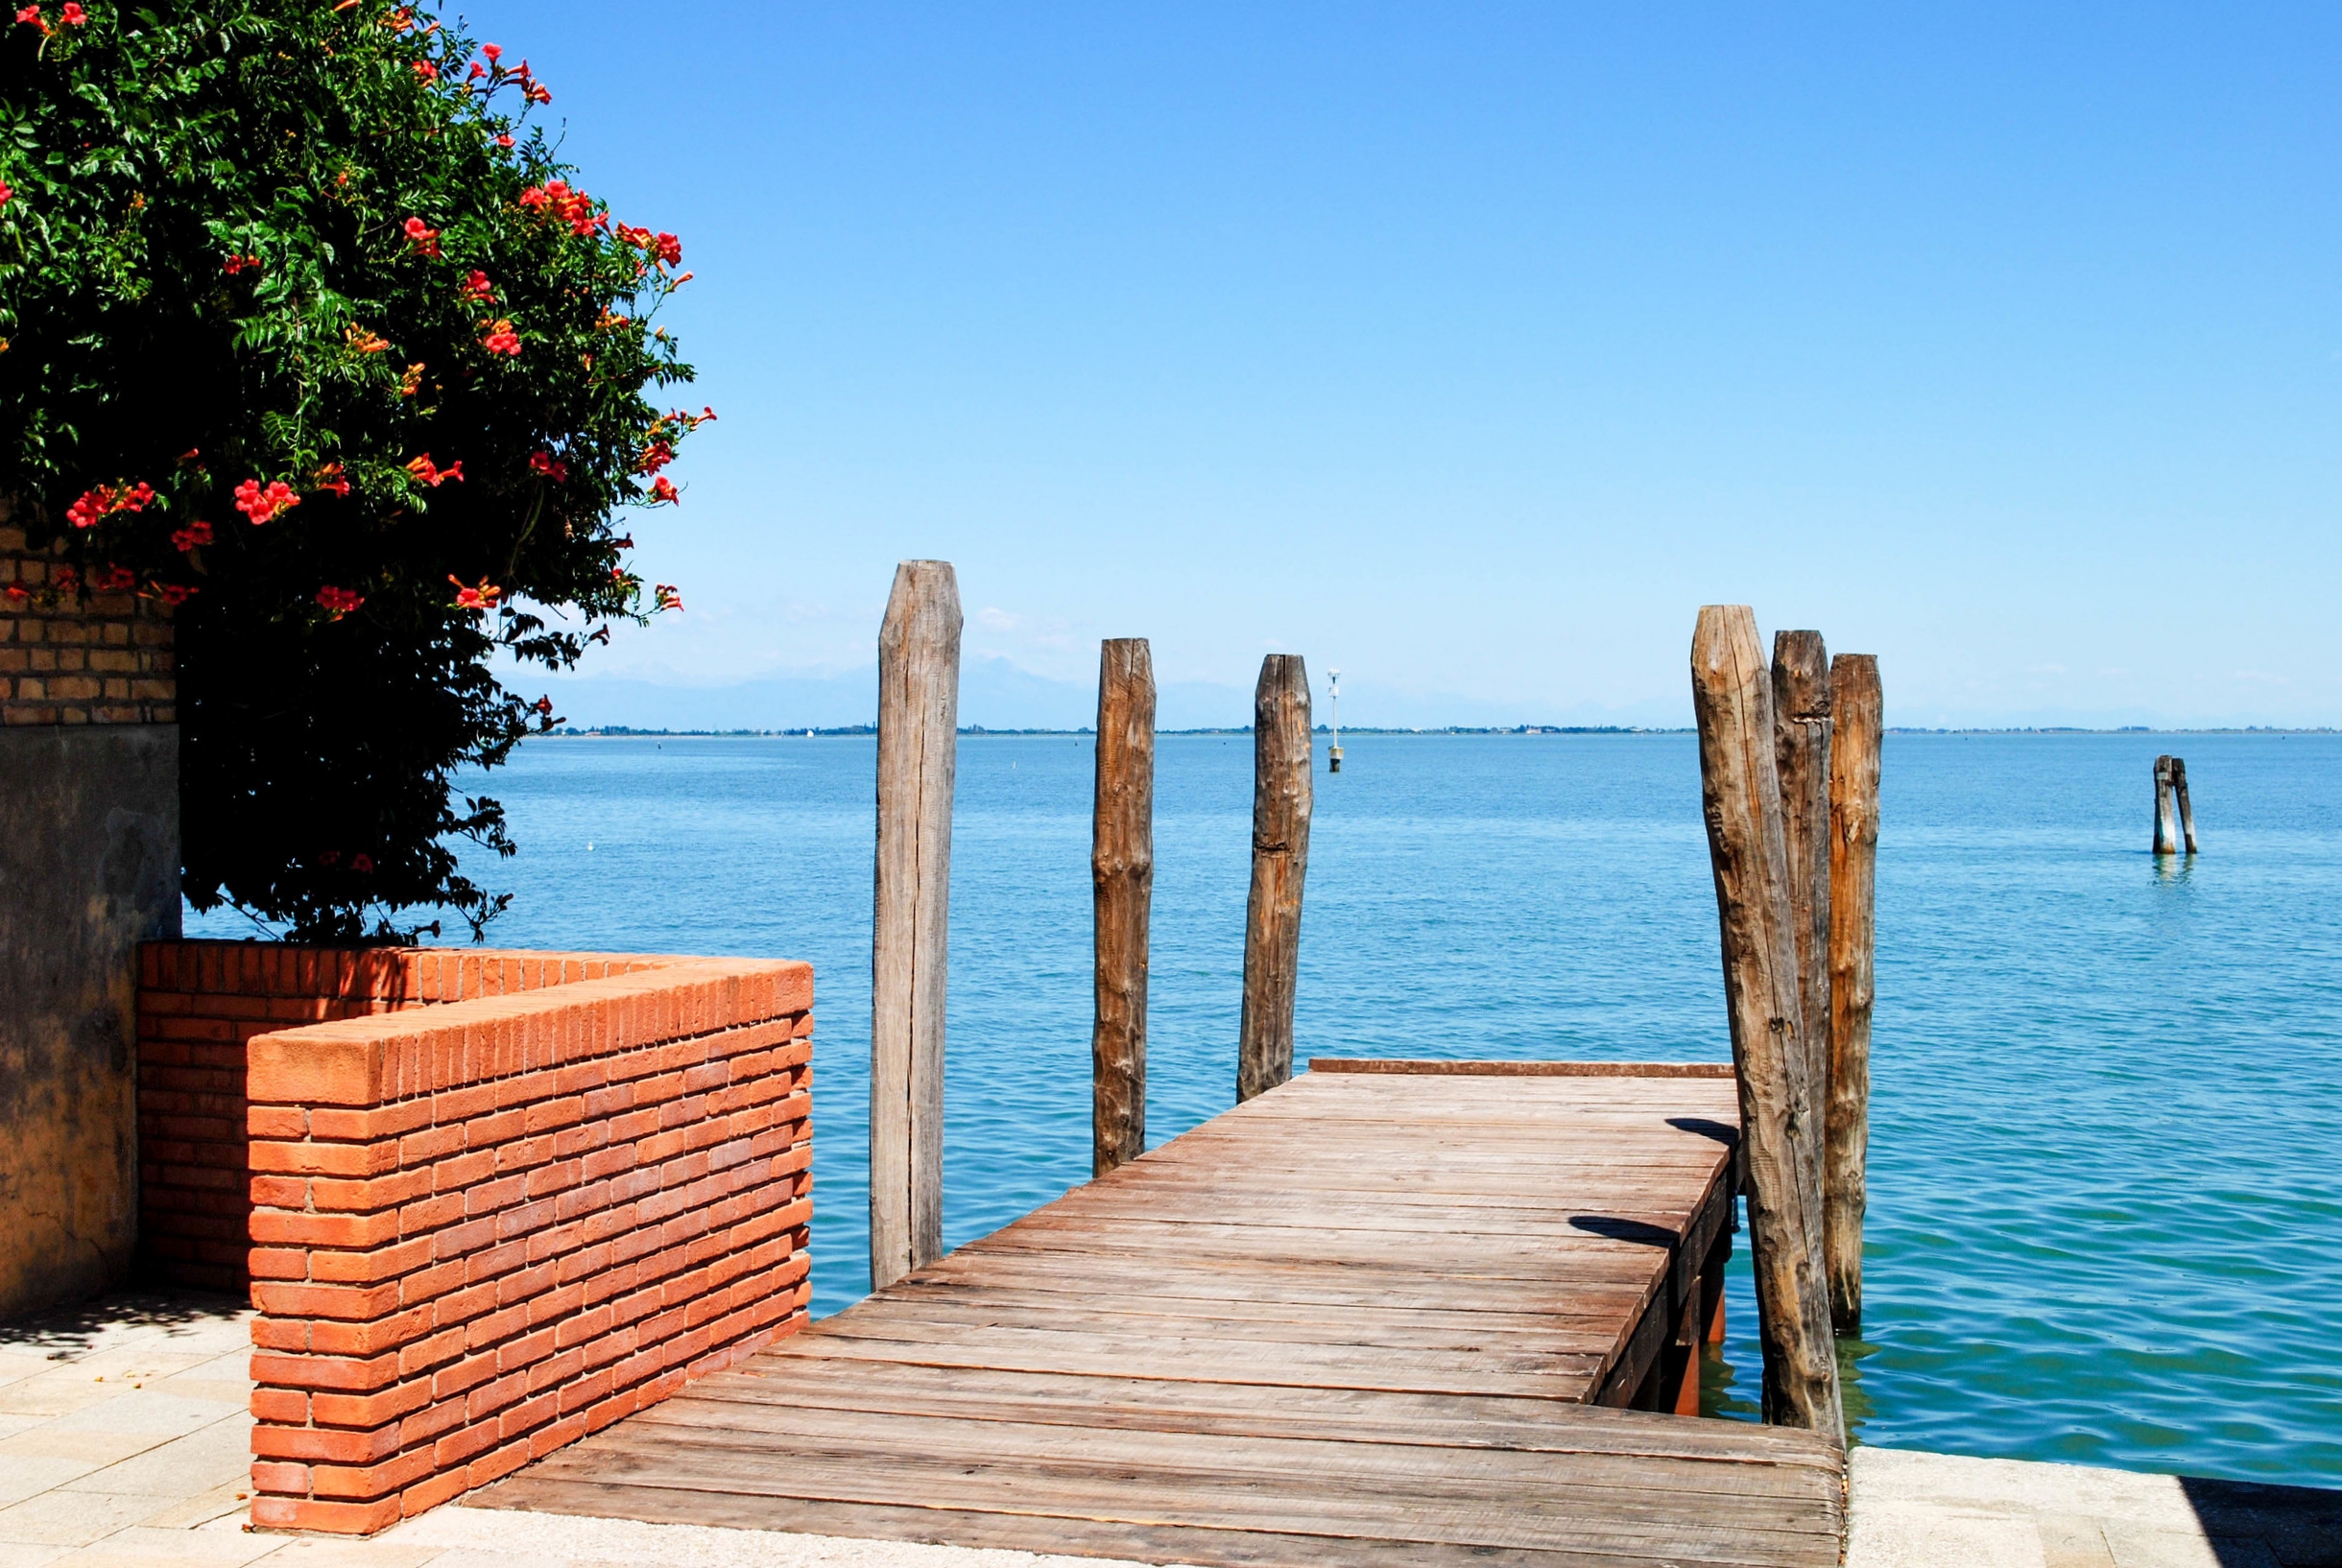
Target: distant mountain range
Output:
[(996, 694)]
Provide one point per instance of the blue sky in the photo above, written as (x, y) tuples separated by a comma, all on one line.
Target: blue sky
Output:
[(1471, 349)]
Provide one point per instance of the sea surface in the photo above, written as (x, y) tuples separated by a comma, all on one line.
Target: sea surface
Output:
[(2106, 1209)]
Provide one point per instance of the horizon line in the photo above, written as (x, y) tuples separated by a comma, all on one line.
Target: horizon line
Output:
[(838, 731)]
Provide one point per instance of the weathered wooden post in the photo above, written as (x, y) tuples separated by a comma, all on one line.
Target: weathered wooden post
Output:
[(2166, 827), (1801, 758), (1858, 725), (1733, 704), (1281, 861), (918, 708), (2179, 792), (1122, 881)]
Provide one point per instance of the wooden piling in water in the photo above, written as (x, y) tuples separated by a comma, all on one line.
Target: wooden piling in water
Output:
[(2178, 794), (1122, 883), (919, 704), (1280, 862), (1801, 759), (1733, 704), (2167, 825), (1856, 727)]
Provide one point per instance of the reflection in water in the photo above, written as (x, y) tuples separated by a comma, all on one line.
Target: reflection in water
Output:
[(1722, 1390), (1851, 1354), (1733, 1388)]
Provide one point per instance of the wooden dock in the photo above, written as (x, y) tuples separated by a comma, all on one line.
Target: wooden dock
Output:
[(1367, 1319)]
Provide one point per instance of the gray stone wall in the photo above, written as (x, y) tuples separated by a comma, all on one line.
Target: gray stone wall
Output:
[(88, 869)]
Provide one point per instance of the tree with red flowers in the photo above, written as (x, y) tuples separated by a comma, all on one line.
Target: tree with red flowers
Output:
[(304, 330)]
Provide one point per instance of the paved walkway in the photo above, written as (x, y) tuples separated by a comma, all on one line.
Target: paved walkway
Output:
[(1936, 1510), (125, 1422), (122, 1445)]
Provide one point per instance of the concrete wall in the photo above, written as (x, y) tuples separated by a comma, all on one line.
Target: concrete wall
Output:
[(89, 869)]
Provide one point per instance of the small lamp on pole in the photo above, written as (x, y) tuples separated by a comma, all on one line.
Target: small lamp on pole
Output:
[(1333, 710)]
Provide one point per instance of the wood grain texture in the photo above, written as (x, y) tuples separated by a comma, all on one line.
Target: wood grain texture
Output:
[(1280, 864), (1122, 886), (919, 718), (2166, 821), (1157, 1367), (1732, 696), (1801, 759), (1523, 1069), (1858, 713), (2179, 796)]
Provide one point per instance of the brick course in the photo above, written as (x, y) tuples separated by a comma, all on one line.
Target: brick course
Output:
[(101, 658), (494, 1200), (201, 1002)]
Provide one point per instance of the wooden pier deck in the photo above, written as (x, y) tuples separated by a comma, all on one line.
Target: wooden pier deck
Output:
[(1370, 1318)]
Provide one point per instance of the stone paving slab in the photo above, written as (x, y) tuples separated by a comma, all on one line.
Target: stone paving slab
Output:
[(1940, 1510)]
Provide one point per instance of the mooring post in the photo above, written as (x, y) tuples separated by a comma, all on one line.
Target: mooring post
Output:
[(919, 709), (1733, 705), (1801, 758), (2166, 826), (1858, 726), (2179, 792), (1281, 861), (1122, 883)]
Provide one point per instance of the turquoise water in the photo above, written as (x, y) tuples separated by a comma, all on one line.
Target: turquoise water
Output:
[(2105, 1220)]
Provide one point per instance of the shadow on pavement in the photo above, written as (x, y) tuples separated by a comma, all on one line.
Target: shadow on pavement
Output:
[(65, 1333), (2251, 1525)]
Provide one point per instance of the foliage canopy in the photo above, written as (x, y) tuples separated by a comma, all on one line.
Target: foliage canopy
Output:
[(306, 329)]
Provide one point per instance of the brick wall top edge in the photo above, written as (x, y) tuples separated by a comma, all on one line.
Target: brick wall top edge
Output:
[(394, 1056), (256, 968)]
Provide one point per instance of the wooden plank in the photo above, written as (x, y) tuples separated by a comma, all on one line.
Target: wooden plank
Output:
[(1260, 1364), (1122, 882), (1731, 705), (1233, 1245), (1556, 1517), (1616, 1484), (1635, 1375), (1318, 1213), (1430, 1111), (1858, 718), (1611, 1086), (1331, 1325), (1459, 1153), (1282, 795), (1397, 1499), (1522, 1069), (1121, 1540), (1179, 1275), (1588, 1336), (1370, 1370), (919, 699), (1511, 1420), (1198, 1183)]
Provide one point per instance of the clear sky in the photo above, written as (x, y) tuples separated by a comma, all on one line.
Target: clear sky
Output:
[(1471, 347)]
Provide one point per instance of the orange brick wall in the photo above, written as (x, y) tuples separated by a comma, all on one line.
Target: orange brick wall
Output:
[(200, 1002), (500, 1202), (101, 658)]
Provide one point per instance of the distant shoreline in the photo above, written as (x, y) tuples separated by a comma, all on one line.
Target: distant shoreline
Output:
[(830, 732)]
